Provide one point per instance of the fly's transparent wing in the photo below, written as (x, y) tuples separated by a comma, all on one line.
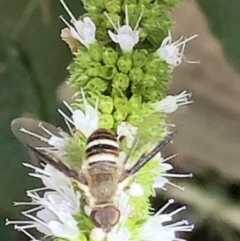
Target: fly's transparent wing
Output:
[(30, 132), (151, 131), (49, 139)]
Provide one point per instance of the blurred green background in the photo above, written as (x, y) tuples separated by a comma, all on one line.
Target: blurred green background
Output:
[(33, 62)]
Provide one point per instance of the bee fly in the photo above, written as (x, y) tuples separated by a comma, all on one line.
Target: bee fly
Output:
[(102, 175)]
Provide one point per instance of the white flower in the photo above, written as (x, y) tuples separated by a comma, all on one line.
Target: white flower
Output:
[(62, 186), (171, 103), (136, 190), (125, 129), (122, 234), (82, 30), (124, 208), (162, 179), (154, 229), (86, 121), (126, 37), (52, 213), (62, 225), (97, 234), (172, 53), (57, 143)]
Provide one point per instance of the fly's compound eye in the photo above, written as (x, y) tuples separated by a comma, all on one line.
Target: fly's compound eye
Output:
[(105, 217)]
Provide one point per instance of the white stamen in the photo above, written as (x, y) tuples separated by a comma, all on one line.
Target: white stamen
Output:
[(169, 202)]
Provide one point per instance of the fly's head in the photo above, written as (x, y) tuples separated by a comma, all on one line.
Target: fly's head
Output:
[(105, 217)]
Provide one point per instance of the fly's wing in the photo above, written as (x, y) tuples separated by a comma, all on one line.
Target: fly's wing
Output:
[(150, 131), (19, 127), (38, 137), (147, 156), (153, 135)]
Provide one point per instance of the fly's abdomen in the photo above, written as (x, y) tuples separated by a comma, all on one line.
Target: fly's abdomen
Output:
[(102, 146)]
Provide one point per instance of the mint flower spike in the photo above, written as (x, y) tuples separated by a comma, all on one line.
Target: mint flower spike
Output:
[(53, 212), (172, 53), (171, 103), (83, 30), (126, 37)]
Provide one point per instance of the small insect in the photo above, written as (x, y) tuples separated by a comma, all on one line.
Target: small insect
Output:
[(101, 175)]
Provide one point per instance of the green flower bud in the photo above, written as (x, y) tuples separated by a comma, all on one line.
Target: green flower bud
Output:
[(135, 118), (119, 116), (152, 64), (95, 52), (94, 6), (124, 63), (147, 109), (121, 104), (137, 115), (106, 121), (120, 81), (110, 56), (107, 72), (93, 70), (78, 79), (82, 60), (135, 101), (97, 85), (136, 75), (151, 94), (137, 89), (113, 6), (149, 81), (105, 104), (139, 57), (132, 5)]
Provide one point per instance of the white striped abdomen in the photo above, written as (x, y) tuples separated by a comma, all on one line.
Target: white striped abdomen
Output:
[(102, 146)]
